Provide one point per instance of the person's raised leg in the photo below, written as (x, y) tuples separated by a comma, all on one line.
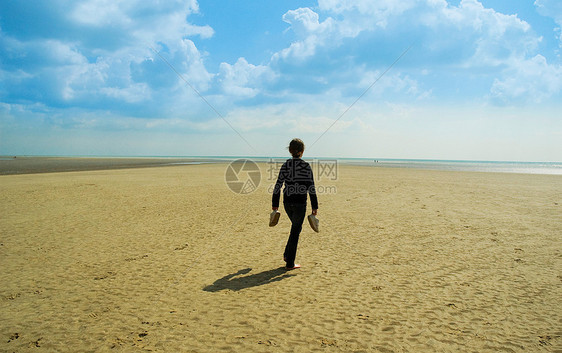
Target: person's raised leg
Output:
[(297, 219), (289, 209)]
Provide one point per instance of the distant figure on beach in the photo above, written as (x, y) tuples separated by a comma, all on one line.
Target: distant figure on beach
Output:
[(297, 176)]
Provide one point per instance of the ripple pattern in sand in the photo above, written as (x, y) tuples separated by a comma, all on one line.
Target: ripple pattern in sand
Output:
[(407, 261)]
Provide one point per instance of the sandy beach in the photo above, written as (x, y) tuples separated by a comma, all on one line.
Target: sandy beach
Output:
[(168, 259), (10, 165)]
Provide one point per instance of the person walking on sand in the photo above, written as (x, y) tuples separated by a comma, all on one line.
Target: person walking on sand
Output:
[(297, 176)]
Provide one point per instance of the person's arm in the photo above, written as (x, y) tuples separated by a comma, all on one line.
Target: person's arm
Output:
[(277, 189), (312, 193)]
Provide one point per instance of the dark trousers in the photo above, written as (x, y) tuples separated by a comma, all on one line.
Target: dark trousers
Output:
[(296, 213)]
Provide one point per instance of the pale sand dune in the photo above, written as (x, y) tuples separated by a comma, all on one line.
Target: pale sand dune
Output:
[(169, 259)]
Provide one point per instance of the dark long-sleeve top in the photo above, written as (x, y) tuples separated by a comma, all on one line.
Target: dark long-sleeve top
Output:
[(297, 176)]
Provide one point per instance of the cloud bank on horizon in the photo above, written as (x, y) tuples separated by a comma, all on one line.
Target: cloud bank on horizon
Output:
[(483, 79)]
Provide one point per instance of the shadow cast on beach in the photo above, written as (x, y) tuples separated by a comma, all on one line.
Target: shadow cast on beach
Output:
[(235, 283)]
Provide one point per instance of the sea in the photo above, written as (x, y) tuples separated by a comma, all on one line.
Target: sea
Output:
[(550, 168), (328, 164)]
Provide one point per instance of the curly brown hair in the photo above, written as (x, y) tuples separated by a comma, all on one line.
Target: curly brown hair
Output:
[(296, 147)]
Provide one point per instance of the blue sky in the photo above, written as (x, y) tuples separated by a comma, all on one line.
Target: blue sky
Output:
[(482, 80)]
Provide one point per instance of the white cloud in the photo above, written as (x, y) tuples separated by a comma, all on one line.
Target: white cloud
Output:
[(132, 94), (62, 53), (305, 23), (495, 37), (553, 9), (395, 82), (163, 26), (550, 8), (112, 80), (243, 79), (78, 81), (365, 14), (491, 37), (191, 61), (107, 77), (532, 80), (99, 13), (88, 70), (147, 21), (469, 35), (50, 52)]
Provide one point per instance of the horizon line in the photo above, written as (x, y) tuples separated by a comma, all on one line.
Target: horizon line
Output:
[(12, 156)]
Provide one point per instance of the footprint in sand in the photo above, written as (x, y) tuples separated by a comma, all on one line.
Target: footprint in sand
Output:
[(545, 340), (182, 247), (104, 276), (12, 296), (267, 343), (136, 258), (36, 343), (328, 342)]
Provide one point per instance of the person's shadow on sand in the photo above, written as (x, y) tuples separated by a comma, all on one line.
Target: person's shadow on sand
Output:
[(239, 283)]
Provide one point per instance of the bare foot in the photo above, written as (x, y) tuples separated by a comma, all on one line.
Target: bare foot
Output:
[(294, 267)]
